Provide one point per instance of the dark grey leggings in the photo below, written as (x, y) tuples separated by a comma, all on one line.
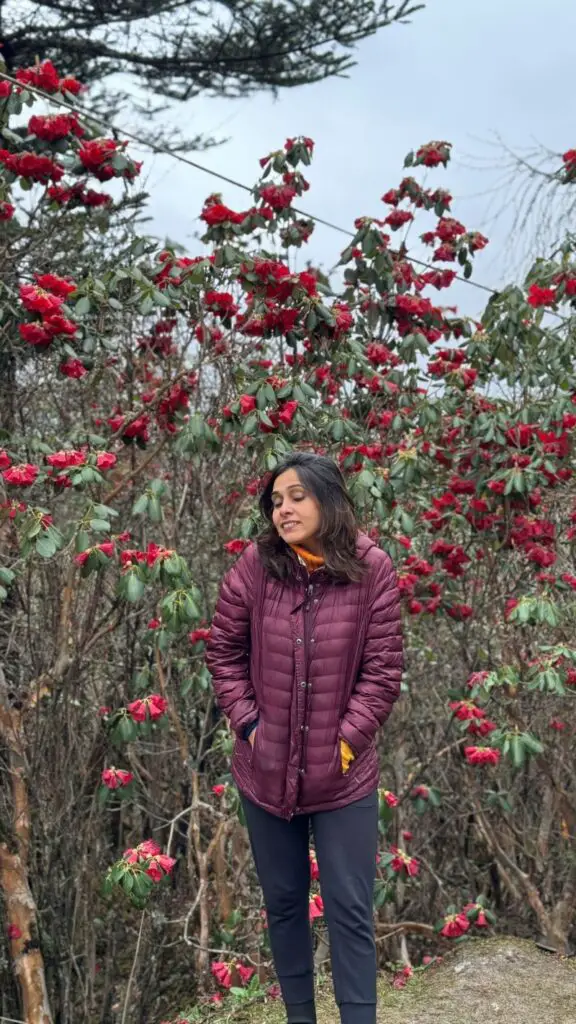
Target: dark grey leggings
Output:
[(346, 842)]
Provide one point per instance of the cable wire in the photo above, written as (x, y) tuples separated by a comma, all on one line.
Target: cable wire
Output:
[(162, 150)]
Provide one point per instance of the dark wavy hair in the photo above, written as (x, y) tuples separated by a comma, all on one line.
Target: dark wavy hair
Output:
[(338, 533)]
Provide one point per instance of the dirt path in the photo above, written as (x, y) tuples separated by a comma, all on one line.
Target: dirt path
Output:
[(500, 980)]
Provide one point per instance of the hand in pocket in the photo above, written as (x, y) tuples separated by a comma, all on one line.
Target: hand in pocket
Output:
[(347, 755)]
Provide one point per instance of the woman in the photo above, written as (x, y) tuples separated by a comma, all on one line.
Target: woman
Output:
[(306, 658)]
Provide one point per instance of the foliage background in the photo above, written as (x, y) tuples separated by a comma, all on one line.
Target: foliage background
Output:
[(195, 375)]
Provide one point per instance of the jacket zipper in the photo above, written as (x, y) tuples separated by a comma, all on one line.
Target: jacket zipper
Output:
[(307, 618)]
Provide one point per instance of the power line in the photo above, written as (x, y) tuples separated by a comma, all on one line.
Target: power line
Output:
[(162, 150)]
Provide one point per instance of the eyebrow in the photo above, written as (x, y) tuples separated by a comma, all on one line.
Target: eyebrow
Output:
[(292, 487)]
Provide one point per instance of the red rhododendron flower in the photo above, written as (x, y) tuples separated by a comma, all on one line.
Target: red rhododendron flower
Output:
[(314, 869), (107, 548), (57, 324), (476, 241), (390, 797), (38, 300), (77, 195), (41, 169), (420, 793), (480, 728), (35, 334), (482, 755), (247, 404), (287, 412), (5, 459), (51, 127), (465, 710), (144, 850), (73, 368), (160, 866), (402, 861), (106, 460), (538, 296), (448, 229), (116, 778), (236, 547), (315, 907), (433, 154), (398, 218), (21, 476), (153, 707), (219, 790), (43, 76), (278, 197), (217, 213), (61, 286), (455, 925), (199, 635), (221, 303), (445, 253), (95, 155), (223, 973), (245, 973), (72, 85), (460, 612), (304, 140), (66, 458), (401, 978), (7, 211)]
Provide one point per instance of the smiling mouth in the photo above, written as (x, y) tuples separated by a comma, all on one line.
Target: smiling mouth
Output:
[(289, 525)]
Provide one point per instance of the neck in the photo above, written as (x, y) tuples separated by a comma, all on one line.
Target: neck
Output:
[(312, 560)]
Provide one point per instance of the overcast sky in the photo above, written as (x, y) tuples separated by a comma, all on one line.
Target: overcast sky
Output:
[(463, 70)]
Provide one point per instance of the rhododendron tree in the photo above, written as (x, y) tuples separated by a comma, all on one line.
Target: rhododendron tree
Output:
[(149, 393)]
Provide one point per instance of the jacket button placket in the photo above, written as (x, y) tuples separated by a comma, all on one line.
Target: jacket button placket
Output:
[(302, 690)]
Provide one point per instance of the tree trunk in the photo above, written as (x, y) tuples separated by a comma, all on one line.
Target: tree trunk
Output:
[(26, 955), (19, 903)]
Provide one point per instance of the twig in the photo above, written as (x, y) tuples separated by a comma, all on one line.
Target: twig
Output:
[(133, 970), (134, 472)]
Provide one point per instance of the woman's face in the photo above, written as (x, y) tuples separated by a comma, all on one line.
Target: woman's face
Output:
[(295, 511)]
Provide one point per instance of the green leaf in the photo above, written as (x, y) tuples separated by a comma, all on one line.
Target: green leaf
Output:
[(517, 751), (251, 423), (134, 587), (338, 430), (127, 729), (366, 478), (99, 526), (155, 510), (82, 541), (82, 306), (45, 546), (140, 506)]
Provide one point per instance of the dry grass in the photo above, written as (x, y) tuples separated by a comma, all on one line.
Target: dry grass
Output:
[(501, 980)]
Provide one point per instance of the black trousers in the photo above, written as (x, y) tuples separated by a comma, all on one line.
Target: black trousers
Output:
[(346, 842)]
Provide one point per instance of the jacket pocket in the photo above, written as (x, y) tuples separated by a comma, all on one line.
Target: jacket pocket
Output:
[(254, 745)]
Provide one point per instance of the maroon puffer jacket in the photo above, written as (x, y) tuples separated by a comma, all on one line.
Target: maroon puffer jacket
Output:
[(315, 661)]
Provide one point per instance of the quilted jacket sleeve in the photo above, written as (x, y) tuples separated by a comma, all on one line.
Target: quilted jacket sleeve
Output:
[(378, 684), (228, 649)]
